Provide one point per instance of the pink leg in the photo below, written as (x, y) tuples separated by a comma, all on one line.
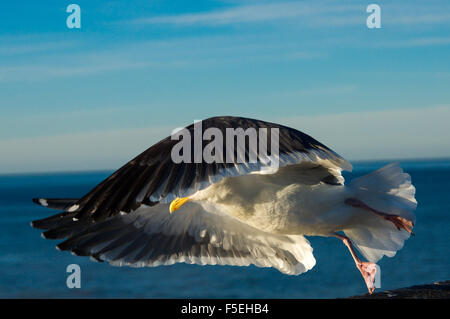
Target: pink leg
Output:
[(398, 221), (367, 269)]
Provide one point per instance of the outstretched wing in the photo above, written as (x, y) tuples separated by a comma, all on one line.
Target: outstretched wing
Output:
[(150, 236), (153, 177)]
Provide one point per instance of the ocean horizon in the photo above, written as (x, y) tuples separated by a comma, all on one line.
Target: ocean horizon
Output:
[(31, 267)]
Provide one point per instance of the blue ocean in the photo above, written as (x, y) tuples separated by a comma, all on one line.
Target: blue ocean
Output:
[(31, 267)]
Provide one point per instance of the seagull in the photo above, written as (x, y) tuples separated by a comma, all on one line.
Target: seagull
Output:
[(156, 211)]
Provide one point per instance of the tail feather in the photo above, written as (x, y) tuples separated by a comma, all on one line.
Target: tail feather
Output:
[(387, 190)]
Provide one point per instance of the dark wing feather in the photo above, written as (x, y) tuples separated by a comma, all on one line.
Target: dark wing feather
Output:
[(153, 177), (56, 203)]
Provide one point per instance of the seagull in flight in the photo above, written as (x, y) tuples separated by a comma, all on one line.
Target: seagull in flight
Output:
[(156, 211)]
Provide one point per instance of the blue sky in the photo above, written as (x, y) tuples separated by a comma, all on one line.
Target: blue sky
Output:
[(95, 97)]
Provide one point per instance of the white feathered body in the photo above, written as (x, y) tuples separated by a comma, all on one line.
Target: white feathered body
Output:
[(295, 202), (270, 204)]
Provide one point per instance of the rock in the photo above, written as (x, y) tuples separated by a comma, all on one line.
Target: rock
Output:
[(437, 290)]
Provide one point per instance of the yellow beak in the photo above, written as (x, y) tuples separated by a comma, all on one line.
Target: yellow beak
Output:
[(177, 203)]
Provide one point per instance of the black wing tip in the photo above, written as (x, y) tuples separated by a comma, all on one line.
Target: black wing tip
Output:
[(96, 259), (44, 202), (50, 234), (37, 201), (55, 203), (41, 223), (79, 252), (36, 224)]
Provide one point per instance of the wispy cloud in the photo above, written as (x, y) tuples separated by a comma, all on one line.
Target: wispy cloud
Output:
[(393, 15), (173, 53), (331, 90), (249, 13), (27, 48), (30, 72), (309, 13), (413, 42), (309, 92), (31, 59), (419, 17)]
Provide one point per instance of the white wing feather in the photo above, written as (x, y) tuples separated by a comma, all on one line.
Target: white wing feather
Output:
[(151, 236)]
